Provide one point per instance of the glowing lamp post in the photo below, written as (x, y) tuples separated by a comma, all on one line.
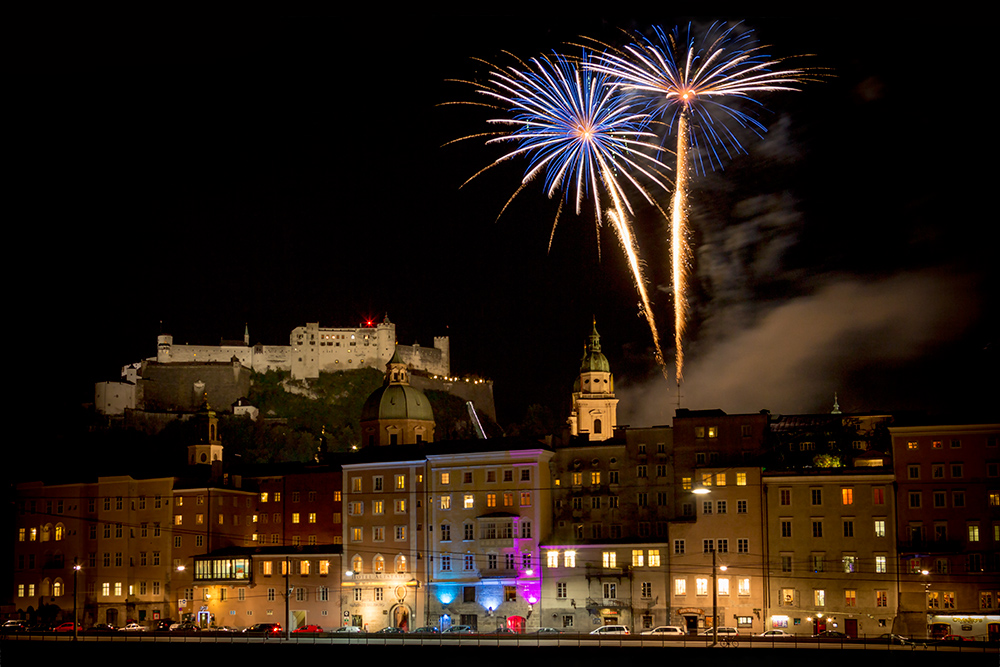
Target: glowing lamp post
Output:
[(76, 623)]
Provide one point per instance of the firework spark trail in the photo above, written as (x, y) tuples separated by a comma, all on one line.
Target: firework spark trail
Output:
[(688, 86), (679, 246), (583, 136)]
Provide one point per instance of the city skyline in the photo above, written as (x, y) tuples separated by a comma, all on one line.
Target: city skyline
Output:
[(225, 175)]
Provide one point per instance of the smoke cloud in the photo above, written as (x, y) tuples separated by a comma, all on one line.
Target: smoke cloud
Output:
[(796, 354)]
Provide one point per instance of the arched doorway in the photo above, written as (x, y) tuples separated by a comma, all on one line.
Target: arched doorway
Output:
[(401, 617), (516, 624)]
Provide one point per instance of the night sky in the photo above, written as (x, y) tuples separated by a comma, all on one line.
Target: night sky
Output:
[(277, 173)]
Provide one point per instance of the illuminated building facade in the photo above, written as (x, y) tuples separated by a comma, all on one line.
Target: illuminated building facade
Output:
[(383, 575), (240, 586), (488, 507), (831, 551), (720, 523), (948, 528)]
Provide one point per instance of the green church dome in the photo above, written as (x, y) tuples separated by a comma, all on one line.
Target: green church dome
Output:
[(397, 401)]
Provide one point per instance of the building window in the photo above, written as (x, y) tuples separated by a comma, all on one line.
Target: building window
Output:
[(610, 559), (610, 591), (881, 598), (701, 586), (819, 597), (847, 496), (786, 527), (850, 598)]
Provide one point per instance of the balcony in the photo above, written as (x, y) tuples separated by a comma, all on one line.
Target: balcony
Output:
[(931, 546)]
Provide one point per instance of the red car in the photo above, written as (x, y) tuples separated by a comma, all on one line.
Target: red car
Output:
[(308, 628), (67, 627)]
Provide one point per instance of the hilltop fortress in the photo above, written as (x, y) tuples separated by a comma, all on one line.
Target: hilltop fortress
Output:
[(179, 377), (313, 349)]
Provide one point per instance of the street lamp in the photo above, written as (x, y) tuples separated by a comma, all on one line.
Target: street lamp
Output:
[(76, 623)]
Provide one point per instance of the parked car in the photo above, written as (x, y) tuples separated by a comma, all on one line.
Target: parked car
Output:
[(14, 626), (389, 630), (891, 638), (610, 630), (307, 628), (548, 631), (163, 625), (186, 626), (349, 629), (956, 639), (830, 634), (775, 634), (426, 630), (459, 630), (68, 626), (668, 630), (722, 631), (265, 629), (103, 627), (134, 627)]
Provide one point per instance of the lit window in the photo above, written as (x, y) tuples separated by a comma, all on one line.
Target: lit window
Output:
[(552, 559), (701, 586), (569, 559), (654, 558), (848, 496), (741, 479), (610, 559), (680, 586), (469, 501), (445, 502)]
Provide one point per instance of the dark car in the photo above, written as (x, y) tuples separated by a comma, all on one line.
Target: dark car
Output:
[(163, 625), (891, 638), (390, 631), (186, 626), (103, 627), (427, 630), (14, 626), (830, 634), (265, 629)]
